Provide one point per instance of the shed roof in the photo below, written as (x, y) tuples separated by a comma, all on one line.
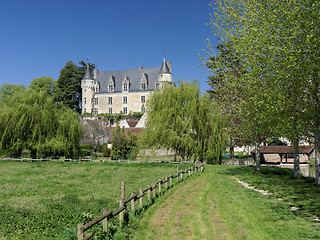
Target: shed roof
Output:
[(284, 149)]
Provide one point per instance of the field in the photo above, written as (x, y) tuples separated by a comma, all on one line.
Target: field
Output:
[(46, 200), (218, 207)]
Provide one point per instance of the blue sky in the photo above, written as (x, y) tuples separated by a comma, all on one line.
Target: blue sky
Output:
[(39, 37)]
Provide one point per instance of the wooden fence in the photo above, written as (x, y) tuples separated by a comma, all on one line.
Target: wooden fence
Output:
[(86, 160), (109, 214)]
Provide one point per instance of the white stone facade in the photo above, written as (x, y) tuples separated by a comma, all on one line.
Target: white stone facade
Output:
[(122, 91)]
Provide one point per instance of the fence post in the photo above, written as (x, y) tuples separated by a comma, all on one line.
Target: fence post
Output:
[(170, 179), (189, 172), (80, 231), (177, 168), (105, 221), (177, 177), (181, 176), (166, 184), (123, 190), (154, 189), (159, 186), (149, 193), (141, 199), (121, 213), (132, 203)]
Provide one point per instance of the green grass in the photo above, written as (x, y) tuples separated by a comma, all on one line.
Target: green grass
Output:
[(301, 192), (214, 206), (46, 200)]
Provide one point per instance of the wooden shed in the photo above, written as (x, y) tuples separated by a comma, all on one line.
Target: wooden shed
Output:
[(284, 152)]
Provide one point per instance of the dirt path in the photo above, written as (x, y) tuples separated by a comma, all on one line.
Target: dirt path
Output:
[(187, 213)]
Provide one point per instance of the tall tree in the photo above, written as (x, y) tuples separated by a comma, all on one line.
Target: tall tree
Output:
[(273, 39), (225, 67), (68, 87), (178, 119)]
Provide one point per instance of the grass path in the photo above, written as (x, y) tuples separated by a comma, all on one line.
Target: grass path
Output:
[(214, 206)]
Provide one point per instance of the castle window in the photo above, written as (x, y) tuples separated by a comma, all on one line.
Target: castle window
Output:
[(110, 110), (143, 109), (144, 82), (85, 110), (96, 101), (95, 111), (143, 99), (125, 100), (125, 110), (85, 100), (109, 100), (125, 84), (111, 84)]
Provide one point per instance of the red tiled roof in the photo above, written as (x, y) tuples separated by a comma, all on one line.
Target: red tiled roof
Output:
[(132, 123), (284, 149)]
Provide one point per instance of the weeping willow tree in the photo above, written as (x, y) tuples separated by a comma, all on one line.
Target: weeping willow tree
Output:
[(181, 119), (31, 121)]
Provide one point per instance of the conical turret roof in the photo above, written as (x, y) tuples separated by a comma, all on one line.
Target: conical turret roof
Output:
[(164, 68), (87, 75)]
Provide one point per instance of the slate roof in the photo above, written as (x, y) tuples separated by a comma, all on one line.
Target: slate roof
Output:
[(164, 68), (87, 75), (135, 76)]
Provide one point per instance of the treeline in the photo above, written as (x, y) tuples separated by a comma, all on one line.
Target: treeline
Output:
[(265, 70), (41, 120)]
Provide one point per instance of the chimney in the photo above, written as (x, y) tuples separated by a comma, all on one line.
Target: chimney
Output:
[(95, 73), (169, 66), (141, 68)]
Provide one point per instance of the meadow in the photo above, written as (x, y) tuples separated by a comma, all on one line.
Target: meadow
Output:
[(218, 207), (46, 200)]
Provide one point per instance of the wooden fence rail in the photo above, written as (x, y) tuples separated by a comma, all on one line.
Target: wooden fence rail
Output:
[(109, 214)]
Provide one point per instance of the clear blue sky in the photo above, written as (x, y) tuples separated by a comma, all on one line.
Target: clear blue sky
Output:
[(38, 37)]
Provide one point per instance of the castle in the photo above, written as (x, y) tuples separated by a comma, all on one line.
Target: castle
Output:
[(122, 91)]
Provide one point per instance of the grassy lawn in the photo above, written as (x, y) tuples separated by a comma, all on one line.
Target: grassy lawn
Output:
[(46, 200), (214, 206)]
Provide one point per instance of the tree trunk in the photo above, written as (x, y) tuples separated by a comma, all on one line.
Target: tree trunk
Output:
[(231, 148), (317, 155), (33, 153), (296, 171), (257, 156)]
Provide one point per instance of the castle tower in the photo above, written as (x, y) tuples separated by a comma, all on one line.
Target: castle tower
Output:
[(88, 89), (164, 75)]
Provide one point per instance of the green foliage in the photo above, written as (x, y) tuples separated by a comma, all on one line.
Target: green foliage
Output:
[(280, 87), (118, 116), (181, 119), (68, 88), (124, 144), (46, 84), (7, 91), (33, 121)]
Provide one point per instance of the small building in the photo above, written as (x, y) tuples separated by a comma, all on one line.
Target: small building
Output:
[(284, 154)]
